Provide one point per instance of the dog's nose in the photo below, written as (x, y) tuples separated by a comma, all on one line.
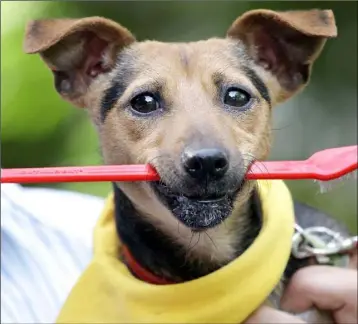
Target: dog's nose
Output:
[(206, 163)]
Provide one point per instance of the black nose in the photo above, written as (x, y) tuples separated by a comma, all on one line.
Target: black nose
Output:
[(206, 163)]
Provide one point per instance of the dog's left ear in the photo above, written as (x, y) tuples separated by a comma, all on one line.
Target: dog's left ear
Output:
[(285, 43)]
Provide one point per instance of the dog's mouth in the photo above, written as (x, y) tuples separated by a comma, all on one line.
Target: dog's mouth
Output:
[(198, 212)]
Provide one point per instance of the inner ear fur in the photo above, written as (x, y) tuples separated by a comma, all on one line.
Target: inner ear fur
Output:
[(76, 50), (285, 43)]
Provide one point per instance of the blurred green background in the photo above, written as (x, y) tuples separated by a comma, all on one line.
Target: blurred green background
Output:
[(39, 129)]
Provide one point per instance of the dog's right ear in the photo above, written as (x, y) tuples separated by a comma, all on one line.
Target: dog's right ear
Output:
[(77, 51)]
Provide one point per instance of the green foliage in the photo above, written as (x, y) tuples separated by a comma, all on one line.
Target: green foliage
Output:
[(40, 129)]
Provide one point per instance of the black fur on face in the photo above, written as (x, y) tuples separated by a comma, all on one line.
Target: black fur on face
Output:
[(198, 213), (199, 203)]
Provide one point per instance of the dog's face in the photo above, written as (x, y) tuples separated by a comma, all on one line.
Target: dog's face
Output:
[(199, 112)]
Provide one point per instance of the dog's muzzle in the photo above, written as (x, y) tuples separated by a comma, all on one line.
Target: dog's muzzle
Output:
[(205, 189), (197, 213)]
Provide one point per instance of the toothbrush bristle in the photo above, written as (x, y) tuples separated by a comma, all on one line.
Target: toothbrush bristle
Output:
[(326, 186)]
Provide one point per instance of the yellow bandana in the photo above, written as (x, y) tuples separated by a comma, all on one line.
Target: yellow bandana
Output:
[(108, 293)]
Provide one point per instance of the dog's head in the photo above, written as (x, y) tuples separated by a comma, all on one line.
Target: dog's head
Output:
[(199, 112)]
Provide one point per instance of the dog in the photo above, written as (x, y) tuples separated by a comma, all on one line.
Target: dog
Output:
[(200, 113)]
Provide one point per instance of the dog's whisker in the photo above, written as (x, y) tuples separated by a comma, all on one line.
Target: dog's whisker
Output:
[(164, 156), (190, 248), (261, 166), (197, 242), (191, 238), (281, 128), (212, 241)]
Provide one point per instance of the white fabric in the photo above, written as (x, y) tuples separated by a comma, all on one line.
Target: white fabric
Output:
[(46, 242)]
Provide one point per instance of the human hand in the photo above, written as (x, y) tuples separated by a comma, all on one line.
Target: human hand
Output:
[(326, 288)]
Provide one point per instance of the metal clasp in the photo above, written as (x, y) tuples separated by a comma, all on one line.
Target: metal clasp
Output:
[(326, 245)]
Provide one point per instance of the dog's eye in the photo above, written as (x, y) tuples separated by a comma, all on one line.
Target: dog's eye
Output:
[(144, 103), (236, 97)]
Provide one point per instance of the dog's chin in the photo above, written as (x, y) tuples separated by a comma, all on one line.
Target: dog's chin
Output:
[(197, 213)]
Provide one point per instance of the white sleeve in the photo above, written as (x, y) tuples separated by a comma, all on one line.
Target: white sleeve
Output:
[(46, 242)]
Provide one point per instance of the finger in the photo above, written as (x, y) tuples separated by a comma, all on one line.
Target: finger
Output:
[(327, 288), (268, 315)]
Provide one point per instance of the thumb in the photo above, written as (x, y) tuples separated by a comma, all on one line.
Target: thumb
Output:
[(327, 288)]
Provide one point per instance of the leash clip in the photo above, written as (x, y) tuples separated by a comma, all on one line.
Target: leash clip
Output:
[(327, 246)]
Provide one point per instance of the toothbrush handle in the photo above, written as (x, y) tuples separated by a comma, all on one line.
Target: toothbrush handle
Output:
[(143, 172), (285, 170), (80, 174)]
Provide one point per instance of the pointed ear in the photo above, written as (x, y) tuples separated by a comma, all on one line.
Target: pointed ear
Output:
[(77, 51), (285, 43)]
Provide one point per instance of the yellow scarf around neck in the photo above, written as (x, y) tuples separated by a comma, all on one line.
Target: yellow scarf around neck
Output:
[(108, 293)]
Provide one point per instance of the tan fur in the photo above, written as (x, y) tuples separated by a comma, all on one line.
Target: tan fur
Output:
[(249, 134), (186, 72)]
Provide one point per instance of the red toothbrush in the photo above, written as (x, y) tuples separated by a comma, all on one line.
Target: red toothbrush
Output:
[(325, 165)]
